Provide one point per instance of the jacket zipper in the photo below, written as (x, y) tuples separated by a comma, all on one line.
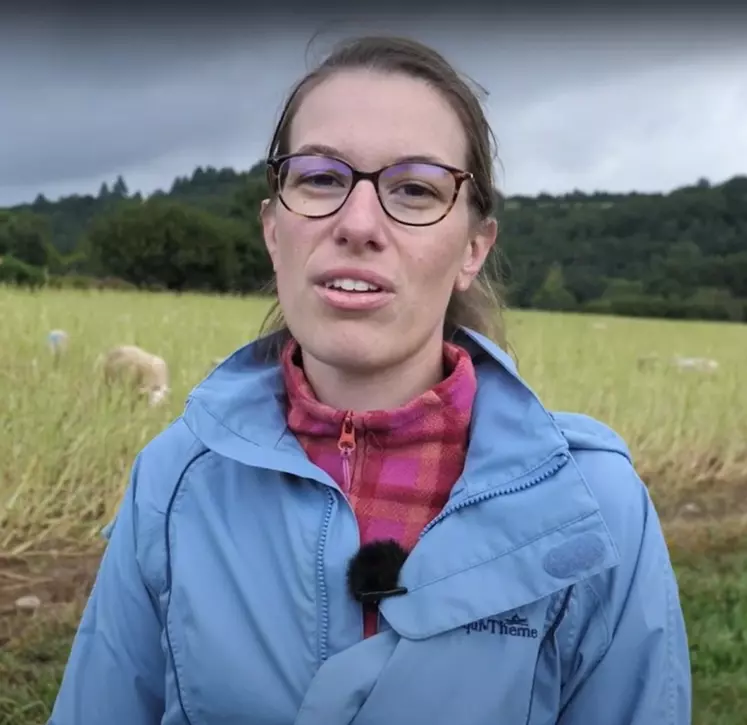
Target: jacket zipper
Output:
[(556, 463), (323, 601), (346, 445)]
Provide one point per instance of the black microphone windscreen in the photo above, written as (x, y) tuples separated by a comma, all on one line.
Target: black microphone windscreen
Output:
[(373, 572)]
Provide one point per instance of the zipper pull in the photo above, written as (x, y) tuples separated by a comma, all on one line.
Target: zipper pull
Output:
[(346, 444)]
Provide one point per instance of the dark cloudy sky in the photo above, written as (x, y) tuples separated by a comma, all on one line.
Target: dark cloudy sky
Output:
[(647, 103)]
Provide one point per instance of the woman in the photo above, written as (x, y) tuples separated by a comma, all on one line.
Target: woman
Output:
[(366, 516)]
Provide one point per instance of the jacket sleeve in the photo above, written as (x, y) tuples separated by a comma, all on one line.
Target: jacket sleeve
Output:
[(115, 671), (638, 671)]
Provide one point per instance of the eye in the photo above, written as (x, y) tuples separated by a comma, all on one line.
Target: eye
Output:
[(415, 189), (320, 178), (309, 172)]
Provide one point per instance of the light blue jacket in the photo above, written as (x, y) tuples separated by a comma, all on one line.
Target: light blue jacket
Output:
[(543, 594)]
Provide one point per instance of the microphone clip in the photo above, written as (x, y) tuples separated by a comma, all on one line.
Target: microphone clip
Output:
[(376, 597)]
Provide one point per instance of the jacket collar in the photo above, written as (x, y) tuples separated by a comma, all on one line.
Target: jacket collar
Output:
[(525, 523)]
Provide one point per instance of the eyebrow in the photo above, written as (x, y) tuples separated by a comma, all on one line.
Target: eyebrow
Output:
[(316, 148)]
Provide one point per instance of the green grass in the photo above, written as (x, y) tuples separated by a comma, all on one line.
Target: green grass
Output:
[(66, 447), (31, 670), (714, 600)]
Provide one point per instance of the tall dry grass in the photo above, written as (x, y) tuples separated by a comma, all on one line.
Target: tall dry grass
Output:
[(66, 446)]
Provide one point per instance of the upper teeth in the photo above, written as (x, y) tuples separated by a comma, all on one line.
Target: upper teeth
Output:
[(352, 285)]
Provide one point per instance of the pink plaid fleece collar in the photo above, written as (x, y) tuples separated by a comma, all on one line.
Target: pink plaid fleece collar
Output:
[(442, 413)]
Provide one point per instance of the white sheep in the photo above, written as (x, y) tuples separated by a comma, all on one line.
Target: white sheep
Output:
[(147, 371), (57, 341), (701, 364)]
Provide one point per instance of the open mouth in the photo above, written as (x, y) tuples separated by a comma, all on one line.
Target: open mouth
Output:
[(353, 295), (352, 285)]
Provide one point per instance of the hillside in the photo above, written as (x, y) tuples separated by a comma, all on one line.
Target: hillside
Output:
[(681, 254)]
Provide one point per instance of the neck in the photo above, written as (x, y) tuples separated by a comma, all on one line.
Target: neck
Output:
[(385, 389)]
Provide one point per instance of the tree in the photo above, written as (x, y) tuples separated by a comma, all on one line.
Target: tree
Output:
[(26, 236), (553, 295), (680, 254), (119, 190)]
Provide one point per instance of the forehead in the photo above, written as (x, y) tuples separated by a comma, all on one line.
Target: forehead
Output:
[(373, 118)]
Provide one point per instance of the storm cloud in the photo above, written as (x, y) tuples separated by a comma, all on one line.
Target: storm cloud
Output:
[(589, 104)]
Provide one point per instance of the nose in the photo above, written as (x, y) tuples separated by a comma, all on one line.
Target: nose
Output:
[(359, 222)]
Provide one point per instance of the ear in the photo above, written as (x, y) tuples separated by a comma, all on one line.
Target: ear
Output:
[(476, 252), (267, 219)]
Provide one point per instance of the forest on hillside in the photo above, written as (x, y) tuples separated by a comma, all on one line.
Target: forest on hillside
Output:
[(680, 255)]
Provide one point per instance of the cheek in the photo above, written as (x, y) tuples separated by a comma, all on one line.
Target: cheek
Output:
[(291, 253), (289, 275), (437, 265)]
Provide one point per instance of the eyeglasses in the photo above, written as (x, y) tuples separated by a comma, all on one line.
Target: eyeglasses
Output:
[(415, 193)]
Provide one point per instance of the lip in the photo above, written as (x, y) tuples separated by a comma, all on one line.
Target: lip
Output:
[(353, 301), (373, 278)]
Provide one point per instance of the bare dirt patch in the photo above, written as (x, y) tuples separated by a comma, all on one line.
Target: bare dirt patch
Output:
[(59, 582)]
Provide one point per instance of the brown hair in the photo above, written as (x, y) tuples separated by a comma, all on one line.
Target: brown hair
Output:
[(480, 307)]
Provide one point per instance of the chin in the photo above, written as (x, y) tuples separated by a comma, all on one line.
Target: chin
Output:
[(352, 346)]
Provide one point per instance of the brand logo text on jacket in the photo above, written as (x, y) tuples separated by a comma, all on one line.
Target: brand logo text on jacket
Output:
[(514, 626)]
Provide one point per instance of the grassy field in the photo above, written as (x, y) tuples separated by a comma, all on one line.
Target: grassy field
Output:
[(66, 449)]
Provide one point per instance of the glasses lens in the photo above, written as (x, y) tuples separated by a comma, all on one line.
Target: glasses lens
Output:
[(313, 185), (416, 193)]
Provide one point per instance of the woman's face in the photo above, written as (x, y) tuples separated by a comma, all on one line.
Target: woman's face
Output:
[(370, 120)]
